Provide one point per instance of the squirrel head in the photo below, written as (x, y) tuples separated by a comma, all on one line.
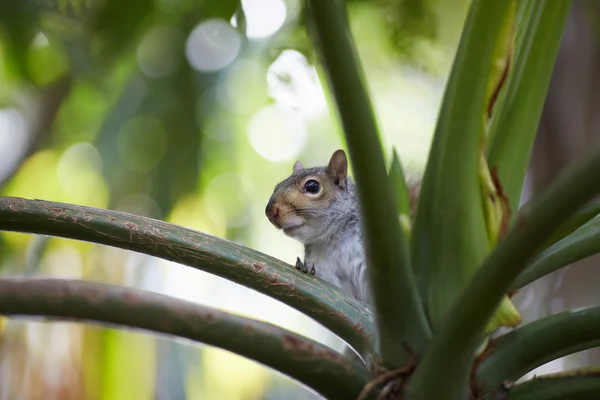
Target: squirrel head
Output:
[(307, 203)]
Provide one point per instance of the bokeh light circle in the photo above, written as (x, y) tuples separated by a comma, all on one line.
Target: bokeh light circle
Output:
[(212, 45)]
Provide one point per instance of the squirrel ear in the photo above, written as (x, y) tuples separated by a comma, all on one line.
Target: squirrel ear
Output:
[(338, 168), (297, 166)]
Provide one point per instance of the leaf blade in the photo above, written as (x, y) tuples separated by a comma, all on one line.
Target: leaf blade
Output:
[(582, 243), (514, 123), (449, 239), (453, 347)]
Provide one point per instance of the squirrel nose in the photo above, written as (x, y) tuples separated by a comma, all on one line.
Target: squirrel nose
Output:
[(272, 211)]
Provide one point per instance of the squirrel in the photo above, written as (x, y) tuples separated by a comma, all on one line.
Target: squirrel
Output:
[(318, 207)]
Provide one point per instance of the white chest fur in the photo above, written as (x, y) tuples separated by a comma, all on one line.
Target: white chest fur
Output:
[(341, 263)]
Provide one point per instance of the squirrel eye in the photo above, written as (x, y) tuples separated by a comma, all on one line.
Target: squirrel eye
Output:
[(312, 186)]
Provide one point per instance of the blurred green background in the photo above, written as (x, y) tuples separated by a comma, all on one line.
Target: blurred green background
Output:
[(191, 111)]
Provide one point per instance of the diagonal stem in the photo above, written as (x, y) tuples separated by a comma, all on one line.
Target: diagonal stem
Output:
[(536, 344), (309, 362), (345, 316), (576, 384)]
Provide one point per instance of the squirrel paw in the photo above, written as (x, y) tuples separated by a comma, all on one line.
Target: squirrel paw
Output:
[(303, 267), (300, 265)]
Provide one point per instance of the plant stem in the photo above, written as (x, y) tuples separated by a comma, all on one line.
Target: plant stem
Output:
[(454, 346), (537, 343), (582, 243), (399, 314), (580, 384), (311, 363), (345, 316)]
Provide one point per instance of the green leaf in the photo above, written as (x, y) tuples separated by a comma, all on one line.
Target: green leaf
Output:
[(516, 117), (343, 315), (398, 311), (402, 194), (311, 363), (17, 28), (579, 384), (452, 348), (117, 23), (582, 243), (449, 239), (536, 344), (577, 220)]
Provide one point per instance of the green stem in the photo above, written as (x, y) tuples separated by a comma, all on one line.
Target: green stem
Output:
[(454, 346), (345, 316), (536, 344), (398, 311), (582, 216), (582, 243), (309, 362), (581, 384)]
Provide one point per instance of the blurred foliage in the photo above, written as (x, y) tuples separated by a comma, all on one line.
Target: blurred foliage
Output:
[(139, 127)]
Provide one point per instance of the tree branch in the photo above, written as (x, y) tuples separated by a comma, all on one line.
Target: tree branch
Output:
[(311, 363), (577, 384), (345, 316), (536, 344), (50, 102)]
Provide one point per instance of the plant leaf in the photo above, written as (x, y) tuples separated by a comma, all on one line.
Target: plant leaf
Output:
[(515, 121), (399, 314), (579, 384), (581, 217), (401, 193), (453, 347), (582, 243), (311, 363), (536, 344), (449, 239), (343, 315), (116, 24)]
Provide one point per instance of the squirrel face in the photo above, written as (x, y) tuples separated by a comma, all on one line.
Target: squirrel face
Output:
[(305, 203)]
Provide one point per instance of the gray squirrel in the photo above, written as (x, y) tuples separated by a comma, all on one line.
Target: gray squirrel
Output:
[(318, 207)]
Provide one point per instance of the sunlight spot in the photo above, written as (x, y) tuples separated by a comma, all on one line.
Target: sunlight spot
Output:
[(212, 45), (276, 134), (294, 84), (13, 138), (263, 17)]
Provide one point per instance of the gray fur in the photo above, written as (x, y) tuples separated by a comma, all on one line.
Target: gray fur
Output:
[(333, 239)]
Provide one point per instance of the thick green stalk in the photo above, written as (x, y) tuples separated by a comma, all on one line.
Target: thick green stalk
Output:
[(398, 311), (453, 347), (580, 384), (582, 243), (345, 316), (309, 362), (515, 120), (536, 344)]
